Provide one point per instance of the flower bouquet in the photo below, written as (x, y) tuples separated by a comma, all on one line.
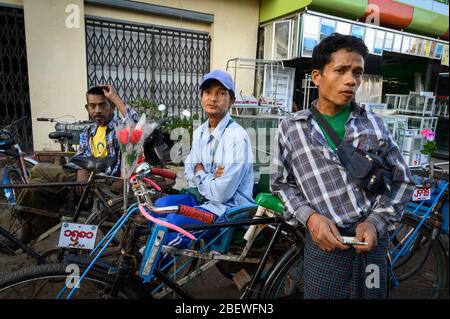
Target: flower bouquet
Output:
[(131, 137), (429, 148)]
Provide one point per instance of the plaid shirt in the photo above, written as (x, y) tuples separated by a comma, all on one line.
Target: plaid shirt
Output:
[(112, 144), (308, 176)]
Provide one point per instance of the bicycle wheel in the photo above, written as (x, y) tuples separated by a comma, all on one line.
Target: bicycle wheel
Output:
[(100, 217), (46, 281), (423, 270), (285, 281)]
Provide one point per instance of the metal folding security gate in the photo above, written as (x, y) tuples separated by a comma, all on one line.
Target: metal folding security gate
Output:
[(14, 90), (158, 64)]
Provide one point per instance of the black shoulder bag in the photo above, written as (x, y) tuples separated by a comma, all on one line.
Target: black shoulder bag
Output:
[(369, 171)]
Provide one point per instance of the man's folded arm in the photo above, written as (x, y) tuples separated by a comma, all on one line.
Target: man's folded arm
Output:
[(223, 188)]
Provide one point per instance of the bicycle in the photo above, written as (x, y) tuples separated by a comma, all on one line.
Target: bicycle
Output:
[(419, 251), (15, 171), (121, 280), (67, 134), (17, 164)]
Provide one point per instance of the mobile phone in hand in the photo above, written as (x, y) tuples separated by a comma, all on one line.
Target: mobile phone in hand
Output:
[(352, 241)]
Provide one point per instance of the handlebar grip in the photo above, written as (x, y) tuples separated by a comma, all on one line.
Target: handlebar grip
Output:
[(44, 119), (196, 213), (164, 173)]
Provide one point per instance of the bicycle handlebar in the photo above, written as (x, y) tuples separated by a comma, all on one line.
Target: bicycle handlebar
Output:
[(44, 119), (51, 119), (165, 224)]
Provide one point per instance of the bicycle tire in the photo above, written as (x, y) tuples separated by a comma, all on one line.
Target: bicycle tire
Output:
[(426, 270), (103, 220), (285, 280), (15, 283)]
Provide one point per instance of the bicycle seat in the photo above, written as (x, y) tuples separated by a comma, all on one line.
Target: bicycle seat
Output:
[(271, 202), (60, 135), (93, 164)]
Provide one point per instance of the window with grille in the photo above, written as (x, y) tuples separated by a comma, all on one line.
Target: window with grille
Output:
[(14, 90), (159, 64)]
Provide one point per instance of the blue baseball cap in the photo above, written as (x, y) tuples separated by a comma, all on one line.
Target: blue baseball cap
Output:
[(223, 77)]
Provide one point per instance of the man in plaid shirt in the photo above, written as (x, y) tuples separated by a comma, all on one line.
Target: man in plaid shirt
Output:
[(318, 193), (101, 103), (97, 140)]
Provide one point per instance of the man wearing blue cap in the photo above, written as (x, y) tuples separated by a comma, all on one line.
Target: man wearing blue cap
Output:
[(220, 164)]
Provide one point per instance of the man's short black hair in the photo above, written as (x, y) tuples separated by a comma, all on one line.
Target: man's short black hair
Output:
[(321, 55), (95, 90)]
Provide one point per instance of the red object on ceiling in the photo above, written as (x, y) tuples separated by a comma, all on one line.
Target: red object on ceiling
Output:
[(392, 14)]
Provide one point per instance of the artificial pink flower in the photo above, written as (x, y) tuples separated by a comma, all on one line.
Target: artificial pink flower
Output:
[(431, 136), (425, 132), (122, 136), (428, 134), (136, 136)]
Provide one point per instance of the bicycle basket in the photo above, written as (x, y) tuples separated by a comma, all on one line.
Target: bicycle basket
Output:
[(75, 129)]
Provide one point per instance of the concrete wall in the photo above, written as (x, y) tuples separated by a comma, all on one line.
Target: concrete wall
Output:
[(57, 54), (56, 65), (13, 2)]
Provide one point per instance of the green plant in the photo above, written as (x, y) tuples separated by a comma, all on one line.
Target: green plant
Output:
[(430, 146), (150, 108), (177, 122)]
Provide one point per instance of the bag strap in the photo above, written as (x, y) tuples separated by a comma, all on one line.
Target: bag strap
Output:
[(325, 125)]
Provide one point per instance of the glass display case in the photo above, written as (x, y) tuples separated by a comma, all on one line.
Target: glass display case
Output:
[(395, 101), (420, 122), (441, 106), (420, 103), (410, 143), (395, 124), (261, 85)]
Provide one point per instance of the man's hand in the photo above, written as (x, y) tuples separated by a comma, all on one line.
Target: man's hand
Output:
[(198, 167), (219, 171), (109, 91), (82, 176), (324, 233), (366, 232), (111, 94)]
